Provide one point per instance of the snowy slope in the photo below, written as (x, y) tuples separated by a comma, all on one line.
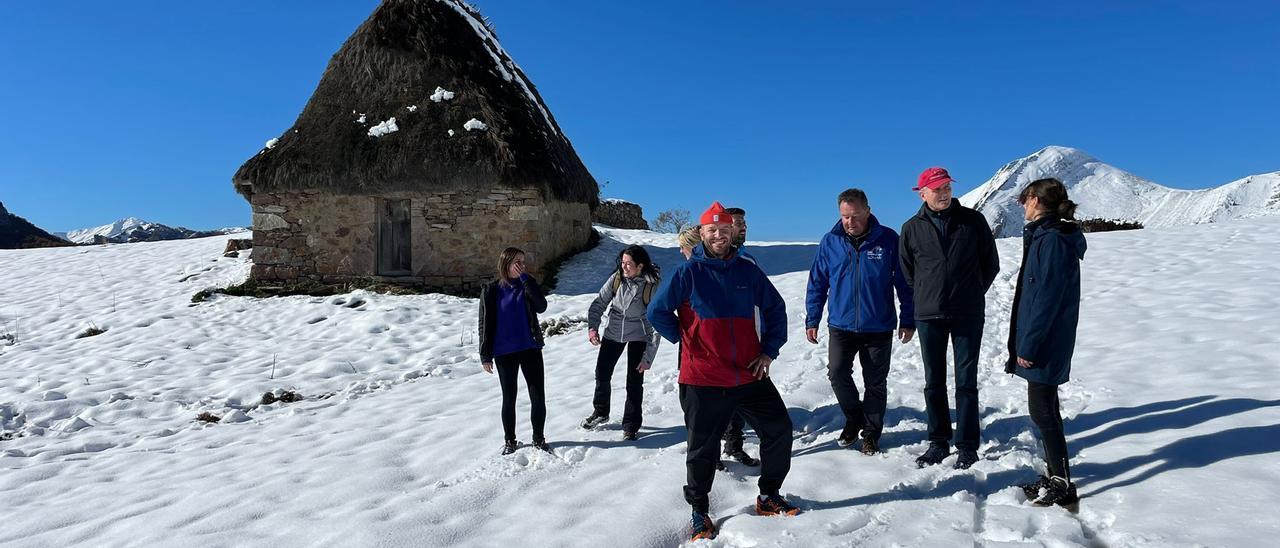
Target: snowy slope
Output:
[(1172, 414), (1103, 191)]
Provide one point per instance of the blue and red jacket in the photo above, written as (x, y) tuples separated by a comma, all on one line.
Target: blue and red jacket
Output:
[(708, 305)]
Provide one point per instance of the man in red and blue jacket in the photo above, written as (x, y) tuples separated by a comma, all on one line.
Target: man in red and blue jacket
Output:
[(857, 271), (708, 306)]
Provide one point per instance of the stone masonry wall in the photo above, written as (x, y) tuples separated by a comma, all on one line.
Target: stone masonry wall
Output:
[(456, 235)]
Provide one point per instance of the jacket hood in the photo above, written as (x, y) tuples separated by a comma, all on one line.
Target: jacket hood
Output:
[(700, 256), (1069, 232)]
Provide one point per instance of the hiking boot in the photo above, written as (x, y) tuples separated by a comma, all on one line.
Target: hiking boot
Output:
[(628, 435), (1059, 491), (1032, 490), (541, 444), (773, 505), (870, 446), (742, 457), (849, 435), (701, 526), (510, 446), (935, 454), (594, 421), (967, 458)]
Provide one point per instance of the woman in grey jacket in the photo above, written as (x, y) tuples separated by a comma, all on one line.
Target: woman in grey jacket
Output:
[(622, 305)]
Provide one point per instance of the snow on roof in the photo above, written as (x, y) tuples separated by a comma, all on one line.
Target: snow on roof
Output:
[(442, 94), (384, 128), (501, 59)]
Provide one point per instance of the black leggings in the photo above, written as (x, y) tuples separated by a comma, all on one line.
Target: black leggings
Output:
[(1046, 412), (530, 363), (610, 351)]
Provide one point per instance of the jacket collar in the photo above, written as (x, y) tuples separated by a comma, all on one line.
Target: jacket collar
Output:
[(925, 211), (874, 229), (700, 256)]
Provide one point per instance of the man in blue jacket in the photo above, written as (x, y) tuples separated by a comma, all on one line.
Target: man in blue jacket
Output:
[(855, 274), (707, 304)]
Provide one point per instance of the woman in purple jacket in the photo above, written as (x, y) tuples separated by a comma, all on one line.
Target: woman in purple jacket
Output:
[(511, 338)]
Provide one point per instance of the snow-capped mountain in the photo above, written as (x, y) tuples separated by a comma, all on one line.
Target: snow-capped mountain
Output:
[(1103, 191), (133, 229)]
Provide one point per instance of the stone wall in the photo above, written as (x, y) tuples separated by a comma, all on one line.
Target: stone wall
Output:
[(456, 235), (620, 214)]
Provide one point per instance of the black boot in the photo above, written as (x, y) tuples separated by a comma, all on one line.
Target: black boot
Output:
[(935, 454), (510, 446), (735, 452), (1060, 492)]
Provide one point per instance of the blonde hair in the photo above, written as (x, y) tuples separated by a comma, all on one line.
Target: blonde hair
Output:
[(507, 257), (690, 238)]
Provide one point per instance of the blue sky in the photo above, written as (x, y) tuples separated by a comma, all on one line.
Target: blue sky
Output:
[(146, 108)]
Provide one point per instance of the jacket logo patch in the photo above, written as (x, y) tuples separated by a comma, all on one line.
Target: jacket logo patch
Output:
[(876, 253)]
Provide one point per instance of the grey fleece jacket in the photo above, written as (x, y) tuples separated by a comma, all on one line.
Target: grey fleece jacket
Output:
[(625, 320)]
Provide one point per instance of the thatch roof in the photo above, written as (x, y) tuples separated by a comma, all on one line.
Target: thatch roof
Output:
[(390, 68)]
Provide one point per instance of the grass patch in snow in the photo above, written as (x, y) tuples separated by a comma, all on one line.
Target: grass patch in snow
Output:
[(208, 417), (92, 331)]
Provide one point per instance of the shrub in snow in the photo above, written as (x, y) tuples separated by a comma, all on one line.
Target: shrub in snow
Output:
[(441, 94), (286, 396), (384, 128), (1108, 225), (92, 331), (474, 124), (562, 325), (208, 417)]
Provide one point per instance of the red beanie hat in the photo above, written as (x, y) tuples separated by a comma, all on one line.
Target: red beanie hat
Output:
[(715, 215)]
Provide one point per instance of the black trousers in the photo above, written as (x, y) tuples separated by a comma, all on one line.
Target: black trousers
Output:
[(1046, 412), (873, 351), (610, 351), (966, 341), (528, 362), (707, 412)]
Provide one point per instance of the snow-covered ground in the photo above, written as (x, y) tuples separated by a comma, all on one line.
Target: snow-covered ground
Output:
[(1173, 414)]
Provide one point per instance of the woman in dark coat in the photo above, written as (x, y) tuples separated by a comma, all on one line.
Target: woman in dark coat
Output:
[(511, 338), (1042, 327)]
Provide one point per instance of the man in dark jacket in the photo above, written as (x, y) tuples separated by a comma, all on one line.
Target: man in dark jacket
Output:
[(949, 258), (857, 270), (708, 305)]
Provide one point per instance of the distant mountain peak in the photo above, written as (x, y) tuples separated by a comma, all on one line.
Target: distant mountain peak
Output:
[(1103, 191), (133, 229)]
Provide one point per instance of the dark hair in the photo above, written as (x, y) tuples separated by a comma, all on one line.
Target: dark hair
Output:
[(735, 211), (639, 256), (853, 196), (1053, 197), (507, 257)]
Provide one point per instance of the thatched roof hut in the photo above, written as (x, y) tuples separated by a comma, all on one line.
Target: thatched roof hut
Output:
[(423, 148), (391, 68)]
